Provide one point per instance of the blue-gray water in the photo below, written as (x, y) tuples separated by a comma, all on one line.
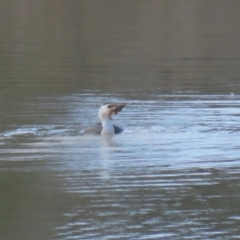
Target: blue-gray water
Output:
[(173, 173)]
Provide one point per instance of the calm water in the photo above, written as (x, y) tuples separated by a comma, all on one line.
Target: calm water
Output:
[(173, 173)]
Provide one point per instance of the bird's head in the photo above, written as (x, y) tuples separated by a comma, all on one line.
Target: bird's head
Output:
[(107, 110)]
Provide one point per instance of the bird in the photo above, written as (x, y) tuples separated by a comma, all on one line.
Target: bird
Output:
[(106, 126)]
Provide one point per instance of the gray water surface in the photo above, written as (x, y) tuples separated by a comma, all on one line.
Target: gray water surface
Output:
[(173, 173)]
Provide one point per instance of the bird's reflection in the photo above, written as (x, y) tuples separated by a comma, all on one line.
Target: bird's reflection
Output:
[(107, 141), (106, 150)]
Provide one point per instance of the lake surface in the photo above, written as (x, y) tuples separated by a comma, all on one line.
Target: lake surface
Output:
[(173, 173)]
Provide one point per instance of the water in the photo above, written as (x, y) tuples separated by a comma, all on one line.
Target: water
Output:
[(173, 173)]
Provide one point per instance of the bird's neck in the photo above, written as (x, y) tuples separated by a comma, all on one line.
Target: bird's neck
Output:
[(107, 126)]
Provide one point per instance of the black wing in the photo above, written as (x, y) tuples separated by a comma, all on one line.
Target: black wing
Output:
[(117, 129)]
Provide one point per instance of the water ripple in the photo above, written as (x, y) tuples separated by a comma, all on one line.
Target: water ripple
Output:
[(173, 173)]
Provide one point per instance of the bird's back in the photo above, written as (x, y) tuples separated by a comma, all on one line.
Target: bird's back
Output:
[(97, 129)]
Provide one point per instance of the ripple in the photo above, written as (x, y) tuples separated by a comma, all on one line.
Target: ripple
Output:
[(172, 174)]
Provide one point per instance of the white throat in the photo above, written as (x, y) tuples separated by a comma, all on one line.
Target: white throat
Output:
[(104, 116), (107, 126)]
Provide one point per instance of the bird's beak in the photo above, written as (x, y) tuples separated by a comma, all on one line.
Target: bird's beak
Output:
[(115, 109)]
